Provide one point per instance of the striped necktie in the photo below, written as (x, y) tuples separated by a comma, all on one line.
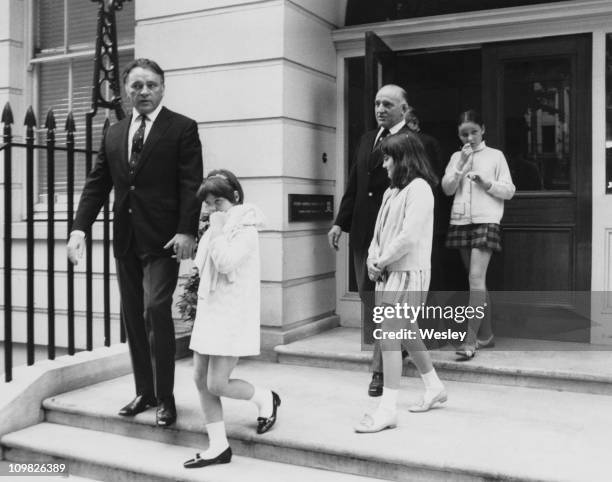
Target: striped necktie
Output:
[(383, 134)]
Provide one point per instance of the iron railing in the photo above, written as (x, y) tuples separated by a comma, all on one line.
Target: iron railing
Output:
[(50, 147), (106, 95)]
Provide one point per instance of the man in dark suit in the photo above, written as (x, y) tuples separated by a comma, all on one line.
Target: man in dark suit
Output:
[(359, 207), (153, 160)]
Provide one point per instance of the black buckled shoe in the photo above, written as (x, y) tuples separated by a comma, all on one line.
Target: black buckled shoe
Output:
[(224, 457), (138, 405), (376, 385), (264, 424), (166, 413)]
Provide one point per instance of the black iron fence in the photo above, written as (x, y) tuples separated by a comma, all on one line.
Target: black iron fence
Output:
[(50, 147)]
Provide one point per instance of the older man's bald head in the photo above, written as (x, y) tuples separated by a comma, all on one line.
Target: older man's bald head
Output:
[(390, 106)]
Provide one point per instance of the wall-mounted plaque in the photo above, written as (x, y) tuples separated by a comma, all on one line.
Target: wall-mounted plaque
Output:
[(311, 207)]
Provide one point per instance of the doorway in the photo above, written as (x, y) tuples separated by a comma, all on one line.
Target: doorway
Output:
[(535, 98)]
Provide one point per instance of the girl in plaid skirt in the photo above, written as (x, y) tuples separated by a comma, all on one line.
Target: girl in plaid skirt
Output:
[(479, 178)]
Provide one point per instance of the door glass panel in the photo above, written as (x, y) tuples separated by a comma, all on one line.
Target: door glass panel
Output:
[(537, 95)]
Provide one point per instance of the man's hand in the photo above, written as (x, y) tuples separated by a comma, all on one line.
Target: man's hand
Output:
[(75, 248), (184, 246), (333, 236)]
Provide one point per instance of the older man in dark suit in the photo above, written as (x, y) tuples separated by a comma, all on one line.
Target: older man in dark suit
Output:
[(368, 180), (153, 160)]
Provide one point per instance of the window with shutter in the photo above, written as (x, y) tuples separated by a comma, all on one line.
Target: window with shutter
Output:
[(65, 34)]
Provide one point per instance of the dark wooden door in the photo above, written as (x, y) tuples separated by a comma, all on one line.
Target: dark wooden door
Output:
[(379, 68), (537, 110), (380, 65)]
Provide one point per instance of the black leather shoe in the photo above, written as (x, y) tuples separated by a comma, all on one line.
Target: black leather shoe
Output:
[(224, 457), (166, 412), (264, 424), (376, 385), (138, 405)]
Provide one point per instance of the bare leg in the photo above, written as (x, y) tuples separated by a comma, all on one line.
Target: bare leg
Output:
[(212, 408), (477, 263), (219, 382), (210, 403), (391, 353), (392, 366)]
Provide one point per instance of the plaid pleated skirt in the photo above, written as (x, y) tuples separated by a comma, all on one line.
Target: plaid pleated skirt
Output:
[(483, 236)]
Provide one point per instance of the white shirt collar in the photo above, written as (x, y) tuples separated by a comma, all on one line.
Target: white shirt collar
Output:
[(396, 128), (393, 130), (151, 116), (480, 146)]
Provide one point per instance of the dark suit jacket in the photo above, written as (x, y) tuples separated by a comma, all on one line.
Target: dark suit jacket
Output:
[(367, 183), (157, 199)]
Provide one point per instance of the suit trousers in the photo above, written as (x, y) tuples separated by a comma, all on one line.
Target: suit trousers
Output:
[(366, 289), (146, 286)]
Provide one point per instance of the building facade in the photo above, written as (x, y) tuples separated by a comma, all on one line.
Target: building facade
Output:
[(278, 87)]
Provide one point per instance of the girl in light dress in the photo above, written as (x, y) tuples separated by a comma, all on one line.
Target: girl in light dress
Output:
[(227, 318), (479, 178), (399, 261)]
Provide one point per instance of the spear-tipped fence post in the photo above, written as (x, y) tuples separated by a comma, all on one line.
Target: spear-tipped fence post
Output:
[(70, 128), (7, 139), (106, 260), (30, 123), (88, 240), (50, 126)]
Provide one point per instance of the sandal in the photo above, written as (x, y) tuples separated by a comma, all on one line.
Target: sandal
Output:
[(377, 421), (466, 353), (426, 405), (488, 343)]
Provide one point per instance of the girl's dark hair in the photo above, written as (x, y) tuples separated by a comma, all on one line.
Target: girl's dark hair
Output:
[(470, 116), (410, 159), (221, 183)]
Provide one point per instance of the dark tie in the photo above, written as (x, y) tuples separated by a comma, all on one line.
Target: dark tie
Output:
[(383, 134), (138, 141)]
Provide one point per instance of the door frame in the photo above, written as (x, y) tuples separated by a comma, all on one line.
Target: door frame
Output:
[(469, 30)]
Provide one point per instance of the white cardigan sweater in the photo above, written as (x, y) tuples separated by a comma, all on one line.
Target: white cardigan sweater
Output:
[(472, 204), (404, 228)]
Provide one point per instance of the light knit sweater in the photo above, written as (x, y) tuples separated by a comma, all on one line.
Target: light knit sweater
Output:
[(404, 228), (472, 204)]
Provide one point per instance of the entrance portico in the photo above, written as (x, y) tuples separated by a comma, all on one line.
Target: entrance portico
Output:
[(555, 234)]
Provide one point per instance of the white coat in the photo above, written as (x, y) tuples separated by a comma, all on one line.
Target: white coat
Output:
[(228, 315)]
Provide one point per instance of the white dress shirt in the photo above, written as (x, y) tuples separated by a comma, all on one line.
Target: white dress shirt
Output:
[(133, 128), (394, 130), (135, 124)]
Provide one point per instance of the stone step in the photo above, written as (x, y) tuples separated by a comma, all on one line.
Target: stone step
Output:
[(484, 432), (111, 457), (573, 367)]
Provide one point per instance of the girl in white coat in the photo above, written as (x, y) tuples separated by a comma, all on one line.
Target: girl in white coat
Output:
[(227, 318)]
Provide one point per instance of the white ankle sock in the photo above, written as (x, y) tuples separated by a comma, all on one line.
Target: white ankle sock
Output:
[(217, 440), (431, 380), (388, 401), (262, 397)]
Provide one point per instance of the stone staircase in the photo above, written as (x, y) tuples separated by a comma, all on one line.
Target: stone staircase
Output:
[(505, 420)]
